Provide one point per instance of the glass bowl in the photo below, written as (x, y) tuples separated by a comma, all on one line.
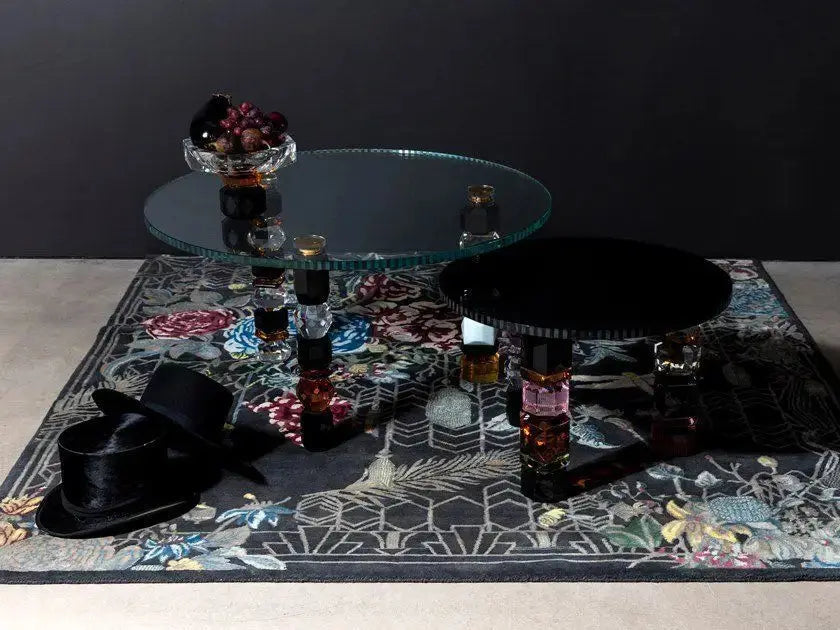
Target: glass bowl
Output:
[(241, 169)]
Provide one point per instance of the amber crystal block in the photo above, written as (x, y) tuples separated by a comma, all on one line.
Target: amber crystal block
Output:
[(480, 366), (314, 390), (544, 441)]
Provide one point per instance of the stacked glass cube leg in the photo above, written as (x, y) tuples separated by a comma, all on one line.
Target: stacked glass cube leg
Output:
[(479, 223), (271, 318), (677, 424), (545, 421), (313, 319)]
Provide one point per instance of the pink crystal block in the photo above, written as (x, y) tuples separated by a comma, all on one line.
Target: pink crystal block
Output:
[(545, 400)]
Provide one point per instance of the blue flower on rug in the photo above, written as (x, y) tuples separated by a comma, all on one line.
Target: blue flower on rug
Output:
[(349, 333), (173, 547), (241, 339), (754, 299), (256, 513)]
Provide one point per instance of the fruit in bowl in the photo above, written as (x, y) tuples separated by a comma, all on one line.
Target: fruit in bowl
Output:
[(241, 144), (221, 127)]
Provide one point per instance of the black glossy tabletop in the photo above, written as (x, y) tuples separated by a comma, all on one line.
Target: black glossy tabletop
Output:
[(587, 289), (376, 208)]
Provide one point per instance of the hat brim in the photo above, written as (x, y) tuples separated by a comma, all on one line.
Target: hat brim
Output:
[(112, 402), (55, 519)]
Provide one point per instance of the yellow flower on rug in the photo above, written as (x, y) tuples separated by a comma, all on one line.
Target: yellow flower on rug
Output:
[(184, 564), (10, 534), (697, 525), (18, 506)]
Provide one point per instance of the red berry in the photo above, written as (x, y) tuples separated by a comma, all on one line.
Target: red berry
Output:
[(246, 107), (237, 131), (226, 123), (279, 121), (233, 113)]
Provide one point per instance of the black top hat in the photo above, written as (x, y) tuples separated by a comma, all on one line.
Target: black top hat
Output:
[(115, 478), (194, 405)]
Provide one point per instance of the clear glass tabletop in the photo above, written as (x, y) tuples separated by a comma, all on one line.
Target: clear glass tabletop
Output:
[(377, 208)]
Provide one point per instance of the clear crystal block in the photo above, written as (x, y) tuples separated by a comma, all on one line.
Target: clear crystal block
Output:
[(277, 351), (513, 361), (474, 332), (267, 235), (313, 321), (468, 239), (678, 355), (291, 297), (269, 298)]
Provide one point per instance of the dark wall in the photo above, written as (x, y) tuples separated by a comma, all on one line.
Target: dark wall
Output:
[(707, 125)]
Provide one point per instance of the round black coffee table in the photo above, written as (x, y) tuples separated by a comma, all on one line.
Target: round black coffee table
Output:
[(587, 288)]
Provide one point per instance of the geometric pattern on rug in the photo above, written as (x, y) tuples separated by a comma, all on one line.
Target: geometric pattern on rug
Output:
[(433, 492)]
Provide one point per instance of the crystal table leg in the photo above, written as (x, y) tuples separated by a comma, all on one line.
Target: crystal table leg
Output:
[(479, 222), (513, 378), (678, 422), (545, 420), (313, 319), (315, 391), (271, 318)]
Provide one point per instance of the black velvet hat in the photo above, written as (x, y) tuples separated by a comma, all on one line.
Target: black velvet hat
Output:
[(115, 477), (194, 405)]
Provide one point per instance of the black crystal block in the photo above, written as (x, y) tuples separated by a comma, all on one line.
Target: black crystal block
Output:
[(242, 202), (482, 219), (268, 275), (312, 286), (544, 487), (513, 405), (316, 430), (271, 322), (235, 236), (479, 349), (546, 356), (314, 354)]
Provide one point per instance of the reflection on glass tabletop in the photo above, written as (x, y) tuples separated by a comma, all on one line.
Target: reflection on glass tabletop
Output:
[(376, 208)]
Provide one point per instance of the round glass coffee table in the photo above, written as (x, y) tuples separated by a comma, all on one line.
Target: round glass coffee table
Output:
[(341, 209), (376, 208)]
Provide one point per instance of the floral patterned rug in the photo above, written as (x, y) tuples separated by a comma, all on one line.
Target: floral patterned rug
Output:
[(430, 492)]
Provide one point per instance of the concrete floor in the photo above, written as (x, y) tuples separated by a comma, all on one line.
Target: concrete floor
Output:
[(49, 316)]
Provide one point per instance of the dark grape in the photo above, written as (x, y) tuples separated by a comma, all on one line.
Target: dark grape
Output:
[(227, 123), (247, 123), (279, 122), (246, 107), (254, 113), (237, 131), (261, 121)]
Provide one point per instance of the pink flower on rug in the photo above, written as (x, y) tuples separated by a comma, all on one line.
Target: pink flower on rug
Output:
[(423, 323), (284, 411), (380, 286), (189, 323)]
